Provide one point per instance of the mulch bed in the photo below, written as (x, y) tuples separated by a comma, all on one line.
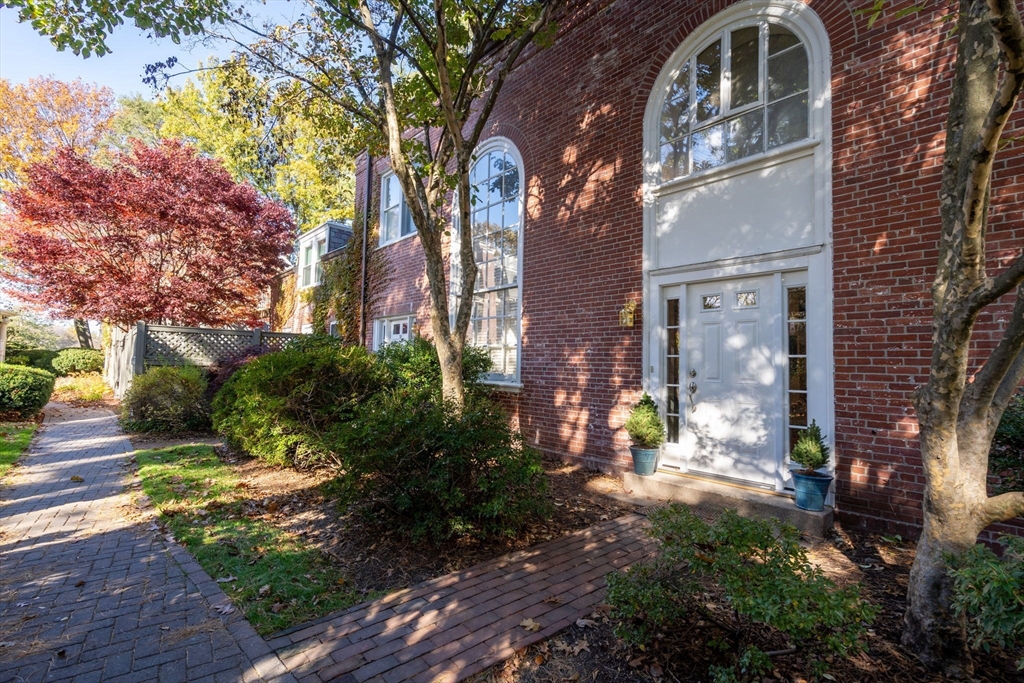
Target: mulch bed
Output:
[(377, 559)]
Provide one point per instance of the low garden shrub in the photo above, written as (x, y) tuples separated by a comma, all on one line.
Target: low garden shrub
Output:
[(24, 390), (988, 590), (72, 361), (17, 359), (742, 580), (220, 372), (278, 407), (435, 473), (40, 358), (166, 399)]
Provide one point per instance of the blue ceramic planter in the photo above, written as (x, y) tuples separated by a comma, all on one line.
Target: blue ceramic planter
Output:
[(811, 490), (645, 460)]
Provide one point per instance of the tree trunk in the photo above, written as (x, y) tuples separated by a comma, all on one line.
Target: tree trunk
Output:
[(84, 335), (931, 629)]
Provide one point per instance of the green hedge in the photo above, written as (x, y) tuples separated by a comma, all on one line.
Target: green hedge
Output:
[(24, 390), (73, 361), (167, 399), (278, 406), (40, 358)]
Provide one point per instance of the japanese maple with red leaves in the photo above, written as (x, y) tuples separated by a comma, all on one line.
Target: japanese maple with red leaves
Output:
[(161, 235)]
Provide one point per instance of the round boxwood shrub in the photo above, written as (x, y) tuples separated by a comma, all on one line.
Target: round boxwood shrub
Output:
[(72, 361), (40, 358), (167, 399), (24, 390), (277, 407)]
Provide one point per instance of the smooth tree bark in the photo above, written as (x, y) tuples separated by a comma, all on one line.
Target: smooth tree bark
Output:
[(417, 81), (958, 416)]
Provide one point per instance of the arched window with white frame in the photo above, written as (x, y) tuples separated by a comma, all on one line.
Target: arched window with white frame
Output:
[(496, 205), (743, 92)]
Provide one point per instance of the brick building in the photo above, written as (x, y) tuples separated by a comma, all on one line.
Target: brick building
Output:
[(760, 178)]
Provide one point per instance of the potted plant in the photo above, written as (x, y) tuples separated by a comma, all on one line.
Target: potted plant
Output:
[(647, 432), (811, 486)]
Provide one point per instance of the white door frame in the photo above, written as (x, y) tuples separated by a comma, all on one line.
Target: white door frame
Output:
[(816, 261)]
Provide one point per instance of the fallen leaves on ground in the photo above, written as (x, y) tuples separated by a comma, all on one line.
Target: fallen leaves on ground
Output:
[(530, 625)]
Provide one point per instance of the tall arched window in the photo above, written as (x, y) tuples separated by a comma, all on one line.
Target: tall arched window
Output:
[(742, 93), (496, 186)]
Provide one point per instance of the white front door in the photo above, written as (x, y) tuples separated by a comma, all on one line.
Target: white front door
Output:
[(729, 381)]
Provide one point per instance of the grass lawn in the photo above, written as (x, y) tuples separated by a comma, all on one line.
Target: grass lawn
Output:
[(278, 579), (14, 439)]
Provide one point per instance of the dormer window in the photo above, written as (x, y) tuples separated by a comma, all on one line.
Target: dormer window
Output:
[(742, 94), (395, 221)]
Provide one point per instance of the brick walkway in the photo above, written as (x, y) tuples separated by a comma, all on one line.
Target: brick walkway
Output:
[(453, 627), (86, 596)]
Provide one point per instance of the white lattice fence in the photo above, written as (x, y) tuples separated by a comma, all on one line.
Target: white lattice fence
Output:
[(167, 345)]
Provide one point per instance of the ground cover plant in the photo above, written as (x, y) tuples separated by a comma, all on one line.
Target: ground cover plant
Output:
[(73, 361), (24, 390), (81, 389), (14, 440), (748, 584), (167, 399), (989, 592), (277, 578)]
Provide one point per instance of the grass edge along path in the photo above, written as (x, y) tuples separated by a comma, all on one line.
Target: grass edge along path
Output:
[(15, 438), (276, 578)]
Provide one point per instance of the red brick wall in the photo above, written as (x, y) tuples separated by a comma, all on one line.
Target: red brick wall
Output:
[(575, 111)]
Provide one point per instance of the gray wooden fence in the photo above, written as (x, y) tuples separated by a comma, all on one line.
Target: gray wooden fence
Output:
[(131, 351)]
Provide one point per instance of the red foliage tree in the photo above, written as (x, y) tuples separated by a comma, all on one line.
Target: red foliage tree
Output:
[(162, 236)]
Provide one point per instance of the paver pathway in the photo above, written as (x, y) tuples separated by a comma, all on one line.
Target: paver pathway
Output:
[(455, 626), (87, 596)]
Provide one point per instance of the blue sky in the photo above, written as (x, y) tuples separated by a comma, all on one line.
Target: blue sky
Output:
[(24, 54)]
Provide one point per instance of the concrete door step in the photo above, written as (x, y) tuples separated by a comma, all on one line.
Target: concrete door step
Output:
[(747, 501)]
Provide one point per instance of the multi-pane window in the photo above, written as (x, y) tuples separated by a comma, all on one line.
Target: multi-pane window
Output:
[(307, 266), (389, 330), (496, 205), (672, 381), (395, 221), (318, 269), (796, 387), (743, 94)]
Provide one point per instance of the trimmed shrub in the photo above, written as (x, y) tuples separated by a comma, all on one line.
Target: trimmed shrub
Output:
[(40, 358), (71, 361), (167, 399), (24, 390), (17, 359), (729, 581), (437, 474), (415, 365), (221, 372), (277, 407), (987, 589)]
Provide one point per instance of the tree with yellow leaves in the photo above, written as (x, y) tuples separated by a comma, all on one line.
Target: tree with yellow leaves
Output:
[(46, 115)]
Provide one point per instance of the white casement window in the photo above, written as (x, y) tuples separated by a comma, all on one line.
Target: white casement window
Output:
[(496, 185), (392, 329), (395, 221), (332, 329), (741, 93)]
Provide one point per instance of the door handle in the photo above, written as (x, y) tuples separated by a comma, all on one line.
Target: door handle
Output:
[(690, 391)]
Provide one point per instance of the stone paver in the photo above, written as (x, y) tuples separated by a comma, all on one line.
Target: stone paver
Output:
[(457, 625), (85, 595)]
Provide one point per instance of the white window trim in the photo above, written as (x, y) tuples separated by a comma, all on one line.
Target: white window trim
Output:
[(310, 240), (791, 14), (380, 328), (815, 260), (403, 214), (505, 145)]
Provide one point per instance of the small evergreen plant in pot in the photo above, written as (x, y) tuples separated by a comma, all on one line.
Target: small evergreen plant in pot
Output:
[(647, 432), (812, 452)]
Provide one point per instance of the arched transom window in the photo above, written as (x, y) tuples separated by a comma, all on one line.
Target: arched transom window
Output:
[(497, 207), (742, 94)]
